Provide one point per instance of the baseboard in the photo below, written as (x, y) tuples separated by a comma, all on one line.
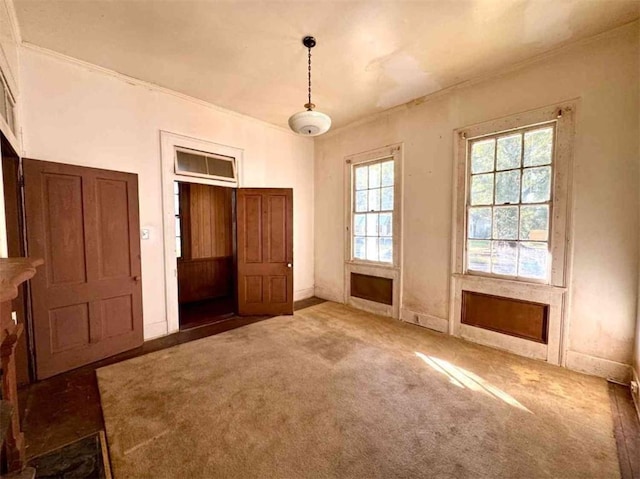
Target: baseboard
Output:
[(635, 392), (303, 294), (604, 368), (324, 293), (425, 320), (154, 330)]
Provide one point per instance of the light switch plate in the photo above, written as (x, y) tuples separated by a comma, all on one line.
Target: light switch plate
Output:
[(146, 233)]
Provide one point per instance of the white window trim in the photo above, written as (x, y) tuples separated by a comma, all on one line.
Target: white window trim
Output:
[(554, 293), (11, 134), (550, 202), (375, 268), (168, 144)]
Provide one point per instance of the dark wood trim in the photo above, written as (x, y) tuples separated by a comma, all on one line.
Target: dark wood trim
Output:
[(534, 328), (372, 288), (185, 220), (626, 429)]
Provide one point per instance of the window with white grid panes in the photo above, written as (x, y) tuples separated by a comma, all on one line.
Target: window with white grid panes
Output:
[(509, 203), (373, 211)]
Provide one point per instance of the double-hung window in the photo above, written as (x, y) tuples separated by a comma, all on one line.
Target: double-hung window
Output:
[(510, 203), (374, 215), (373, 211), (512, 226)]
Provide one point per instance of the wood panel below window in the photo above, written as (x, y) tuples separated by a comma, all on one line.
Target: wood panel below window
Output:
[(522, 319), (372, 288)]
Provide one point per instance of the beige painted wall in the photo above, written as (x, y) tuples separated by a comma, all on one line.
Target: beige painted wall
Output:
[(603, 73), (74, 113)]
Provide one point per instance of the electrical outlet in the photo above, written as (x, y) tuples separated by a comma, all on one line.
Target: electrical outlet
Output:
[(146, 233)]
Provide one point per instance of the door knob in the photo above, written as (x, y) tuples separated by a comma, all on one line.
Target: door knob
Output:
[(289, 265), (136, 278)]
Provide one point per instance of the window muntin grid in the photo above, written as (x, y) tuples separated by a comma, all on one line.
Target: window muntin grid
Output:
[(373, 186), (509, 203), (7, 104), (205, 165)]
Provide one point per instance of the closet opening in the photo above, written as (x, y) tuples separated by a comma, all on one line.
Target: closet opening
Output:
[(205, 250)]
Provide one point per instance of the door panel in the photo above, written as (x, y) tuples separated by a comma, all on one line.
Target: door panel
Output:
[(117, 314), (113, 233), (278, 289), (87, 303), (265, 251), (69, 327), (277, 227), (252, 227), (65, 232)]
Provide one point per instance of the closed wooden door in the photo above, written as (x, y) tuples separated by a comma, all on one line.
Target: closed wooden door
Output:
[(87, 298), (265, 251)]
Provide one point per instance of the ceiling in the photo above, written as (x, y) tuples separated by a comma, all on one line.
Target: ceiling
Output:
[(247, 56)]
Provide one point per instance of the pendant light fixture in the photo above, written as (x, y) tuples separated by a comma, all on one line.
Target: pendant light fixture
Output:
[(310, 122)]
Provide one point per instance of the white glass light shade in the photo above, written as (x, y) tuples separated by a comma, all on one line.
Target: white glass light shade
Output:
[(310, 123)]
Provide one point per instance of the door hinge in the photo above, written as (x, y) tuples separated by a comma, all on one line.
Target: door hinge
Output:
[(21, 181)]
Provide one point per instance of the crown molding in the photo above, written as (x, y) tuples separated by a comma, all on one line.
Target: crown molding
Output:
[(151, 86)]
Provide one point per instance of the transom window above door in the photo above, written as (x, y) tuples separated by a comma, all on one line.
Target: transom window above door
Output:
[(510, 202)]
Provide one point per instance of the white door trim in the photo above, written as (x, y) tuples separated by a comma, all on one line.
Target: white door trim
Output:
[(168, 143)]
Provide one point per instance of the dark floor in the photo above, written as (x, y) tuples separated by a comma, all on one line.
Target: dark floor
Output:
[(66, 407), (626, 429), (193, 315), (84, 459)]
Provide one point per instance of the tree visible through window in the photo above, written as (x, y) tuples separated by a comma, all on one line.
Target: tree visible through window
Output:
[(373, 210), (509, 203)]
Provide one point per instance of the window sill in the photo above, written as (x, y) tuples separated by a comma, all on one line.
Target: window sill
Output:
[(373, 264), (540, 287)]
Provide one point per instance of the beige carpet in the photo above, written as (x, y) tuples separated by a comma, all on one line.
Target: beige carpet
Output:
[(336, 392)]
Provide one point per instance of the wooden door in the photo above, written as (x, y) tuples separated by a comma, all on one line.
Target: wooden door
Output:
[(265, 251), (15, 248), (87, 298)]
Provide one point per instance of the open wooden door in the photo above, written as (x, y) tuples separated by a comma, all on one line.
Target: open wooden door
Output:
[(265, 251), (87, 298)]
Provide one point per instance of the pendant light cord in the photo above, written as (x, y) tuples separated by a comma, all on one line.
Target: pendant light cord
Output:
[(309, 49)]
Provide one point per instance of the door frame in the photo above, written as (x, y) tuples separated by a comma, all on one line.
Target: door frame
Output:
[(25, 352), (168, 143)]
